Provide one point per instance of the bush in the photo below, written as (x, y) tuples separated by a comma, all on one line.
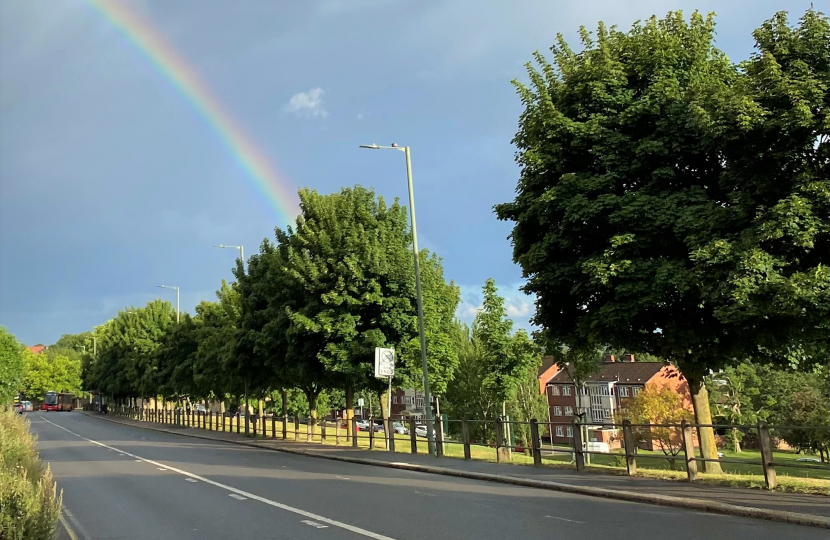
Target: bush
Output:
[(29, 503)]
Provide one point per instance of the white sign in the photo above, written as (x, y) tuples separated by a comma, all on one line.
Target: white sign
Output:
[(384, 362), (360, 402)]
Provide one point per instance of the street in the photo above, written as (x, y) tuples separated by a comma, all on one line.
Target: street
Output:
[(120, 481)]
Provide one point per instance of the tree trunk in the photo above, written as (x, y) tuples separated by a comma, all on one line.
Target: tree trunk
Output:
[(705, 435), (284, 394), (312, 411), (384, 407), (260, 407), (736, 441), (349, 410)]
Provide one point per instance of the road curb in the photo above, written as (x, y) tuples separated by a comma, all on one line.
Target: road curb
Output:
[(700, 505)]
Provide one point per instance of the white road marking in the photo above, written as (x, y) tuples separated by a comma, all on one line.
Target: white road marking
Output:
[(191, 480), (162, 469), (238, 497), (314, 524), (67, 528), (137, 461), (120, 454), (343, 477), (76, 523), (233, 490), (563, 519)]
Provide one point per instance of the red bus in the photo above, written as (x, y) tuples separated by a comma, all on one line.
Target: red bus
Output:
[(54, 401)]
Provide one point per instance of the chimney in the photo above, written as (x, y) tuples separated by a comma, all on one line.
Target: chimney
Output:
[(628, 358), (609, 358)]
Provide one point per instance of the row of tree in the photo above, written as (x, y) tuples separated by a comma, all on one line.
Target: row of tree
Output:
[(31, 375), (305, 316)]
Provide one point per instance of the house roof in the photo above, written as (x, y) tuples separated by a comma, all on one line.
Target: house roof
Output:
[(623, 372), (37, 349), (547, 362), (547, 370)]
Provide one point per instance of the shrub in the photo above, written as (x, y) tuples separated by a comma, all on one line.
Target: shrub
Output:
[(29, 502)]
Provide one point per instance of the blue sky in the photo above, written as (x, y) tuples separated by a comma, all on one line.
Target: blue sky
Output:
[(111, 184)]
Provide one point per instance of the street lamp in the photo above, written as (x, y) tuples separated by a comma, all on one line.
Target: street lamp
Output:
[(177, 298), (427, 402), (241, 251)]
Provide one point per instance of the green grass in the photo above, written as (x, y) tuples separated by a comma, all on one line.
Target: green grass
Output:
[(650, 464)]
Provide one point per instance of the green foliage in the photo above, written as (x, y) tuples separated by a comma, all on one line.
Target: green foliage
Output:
[(317, 302), (29, 504), (57, 370), (672, 203), (11, 366), (506, 357)]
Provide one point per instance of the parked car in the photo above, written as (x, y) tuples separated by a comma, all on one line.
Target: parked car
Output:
[(199, 408), (809, 460), (399, 428), (720, 454), (27, 406), (421, 430), (19, 408)]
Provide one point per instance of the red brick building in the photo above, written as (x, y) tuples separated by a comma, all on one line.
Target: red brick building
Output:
[(602, 394)]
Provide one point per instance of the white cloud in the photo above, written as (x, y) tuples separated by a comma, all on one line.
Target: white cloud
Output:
[(309, 104)]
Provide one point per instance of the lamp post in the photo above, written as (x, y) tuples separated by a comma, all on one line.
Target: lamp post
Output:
[(427, 403), (241, 252), (177, 299)]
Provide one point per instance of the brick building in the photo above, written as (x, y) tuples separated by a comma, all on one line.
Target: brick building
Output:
[(602, 394), (408, 402)]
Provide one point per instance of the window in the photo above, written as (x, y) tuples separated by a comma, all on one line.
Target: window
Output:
[(559, 431), (636, 390), (623, 391), (554, 390), (569, 411), (395, 400), (566, 390), (557, 411), (570, 431)]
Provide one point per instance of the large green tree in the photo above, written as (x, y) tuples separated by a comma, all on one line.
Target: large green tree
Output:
[(11, 366), (673, 203)]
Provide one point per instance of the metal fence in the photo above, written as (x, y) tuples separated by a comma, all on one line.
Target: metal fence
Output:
[(497, 439)]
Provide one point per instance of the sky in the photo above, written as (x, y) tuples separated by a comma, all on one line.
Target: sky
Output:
[(112, 182)]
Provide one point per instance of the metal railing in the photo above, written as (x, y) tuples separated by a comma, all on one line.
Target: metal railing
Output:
[(498, 435)]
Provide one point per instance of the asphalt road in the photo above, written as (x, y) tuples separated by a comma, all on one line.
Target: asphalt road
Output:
[(129, 483)]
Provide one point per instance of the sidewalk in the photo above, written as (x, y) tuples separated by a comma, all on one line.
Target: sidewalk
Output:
[(790, 507)]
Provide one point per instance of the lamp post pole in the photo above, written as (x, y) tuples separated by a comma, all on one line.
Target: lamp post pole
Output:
[(415, 252), (177, 299)]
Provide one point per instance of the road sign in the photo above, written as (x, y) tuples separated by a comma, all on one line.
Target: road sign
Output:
[(384, 362), (360, 402)]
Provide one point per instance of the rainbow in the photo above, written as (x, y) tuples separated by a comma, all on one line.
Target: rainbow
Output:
[(184, 78)]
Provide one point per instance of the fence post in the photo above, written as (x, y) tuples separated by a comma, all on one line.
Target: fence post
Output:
[(628, 441), (353, 420), (465, 438), (500, 450), (337, 431), (439, 437), (296, 428), (254, 424), (285, 426), (323, 431), (579, 455), (766, 456), (238, 423), (535, 442), (274, 425), (689, 451), (264, 425), (391, 444), (413, 439), (371, 432)]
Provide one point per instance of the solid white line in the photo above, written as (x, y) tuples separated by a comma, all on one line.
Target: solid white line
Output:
[(77, 524), (563, 519), (67, 528), (317, 517)]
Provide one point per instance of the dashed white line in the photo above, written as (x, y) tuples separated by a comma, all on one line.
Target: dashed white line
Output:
[(191, 480), (162, 469), (563, 519), (137, 461), (238, 497), (242, 493), (314, 524), (343, 477)]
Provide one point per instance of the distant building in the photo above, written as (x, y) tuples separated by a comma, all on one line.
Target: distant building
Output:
[(547, 370), (408, 402), (602, 394), (37, 349)]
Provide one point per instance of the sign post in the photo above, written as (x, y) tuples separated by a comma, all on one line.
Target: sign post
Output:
[(385, 368)]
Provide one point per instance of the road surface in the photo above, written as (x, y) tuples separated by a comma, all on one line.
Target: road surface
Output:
[(130, 483)]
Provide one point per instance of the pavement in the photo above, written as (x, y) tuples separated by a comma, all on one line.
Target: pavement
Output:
[(125, 481)]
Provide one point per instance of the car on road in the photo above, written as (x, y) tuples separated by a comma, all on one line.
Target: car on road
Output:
[(19, 408), (27, 406), (421, 430)]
